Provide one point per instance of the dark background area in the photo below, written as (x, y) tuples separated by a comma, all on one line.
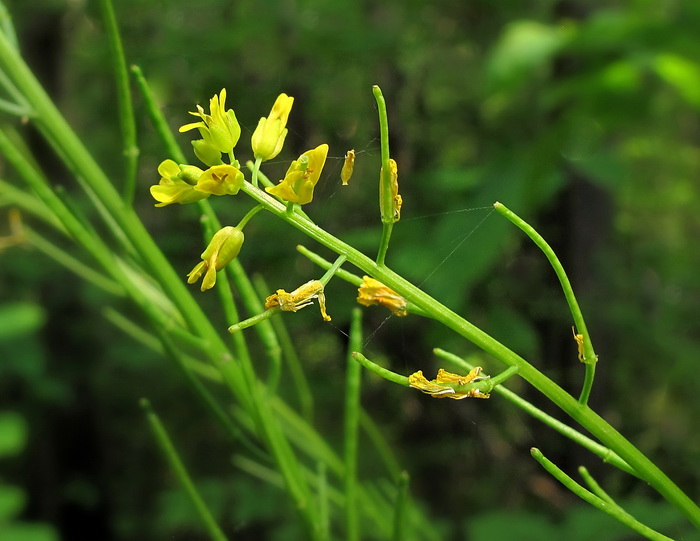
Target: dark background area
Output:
[(581, 117)]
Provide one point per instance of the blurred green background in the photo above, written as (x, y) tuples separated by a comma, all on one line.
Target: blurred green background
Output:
[(582, 117)]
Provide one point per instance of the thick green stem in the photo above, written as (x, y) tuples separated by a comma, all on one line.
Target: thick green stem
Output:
[(582, 414)]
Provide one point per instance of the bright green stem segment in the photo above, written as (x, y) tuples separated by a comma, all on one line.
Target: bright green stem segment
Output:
[(379, 370), (386, 199), (611, 509), (173, 459), (589, 357), (332, 270), (253, 320)]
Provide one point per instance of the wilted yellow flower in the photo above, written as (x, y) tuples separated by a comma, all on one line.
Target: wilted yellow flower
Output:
[(390, 209), (268, 137), (220, 129), (223, 248), (579, 343), (438, 387), (373, 292), (299, 298), (348, 166), (220, 180), (177, 184), (301, 177)]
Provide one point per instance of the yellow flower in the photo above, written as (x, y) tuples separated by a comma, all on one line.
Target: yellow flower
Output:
[(439, 387), (301, 178), (220, 129), (268, 137), (220, 180), (373, 292), (299, 298), (223, 248), (176, 184)]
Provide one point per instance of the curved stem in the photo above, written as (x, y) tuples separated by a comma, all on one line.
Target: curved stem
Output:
[(588, 357)]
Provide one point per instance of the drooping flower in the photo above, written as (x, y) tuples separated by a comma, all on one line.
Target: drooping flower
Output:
[(439, 387), (298, 183), (299, 298), (223, 248), (220, 128), (268, 137), (177, 184), (220, 180), (373, 292)]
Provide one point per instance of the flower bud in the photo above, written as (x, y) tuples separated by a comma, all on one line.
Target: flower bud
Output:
[(223, 248), (268, 137)]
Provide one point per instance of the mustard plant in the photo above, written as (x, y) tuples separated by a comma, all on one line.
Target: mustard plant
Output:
[(283, 446)]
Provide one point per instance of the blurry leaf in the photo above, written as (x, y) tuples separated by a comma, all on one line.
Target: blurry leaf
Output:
[(524, 46), (29, 532), (13, 433), (12, 501), (514, 329), (19, 318), (512, 525), (681, 73)]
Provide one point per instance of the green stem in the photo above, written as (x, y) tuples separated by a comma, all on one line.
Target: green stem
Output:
[(125, 106), (589, 356), (236, 327), (595, 424), (398, 533), (157, 119), (324, 522), (78, 267), (252, 212), (386, 199), (332, 270), (380, 370), (256, 171), (325, 264), (594, 486), (176, 464), (352, 421), (611, 509)]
